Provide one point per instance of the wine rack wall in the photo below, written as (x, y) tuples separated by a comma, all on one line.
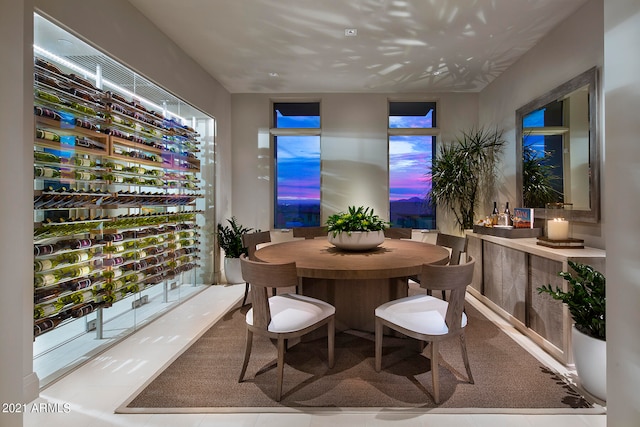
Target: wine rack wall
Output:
[(115, 187)]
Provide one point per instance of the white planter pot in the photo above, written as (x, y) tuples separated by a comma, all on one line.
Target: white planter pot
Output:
[(233, 271), (590, 357), (357, 240)]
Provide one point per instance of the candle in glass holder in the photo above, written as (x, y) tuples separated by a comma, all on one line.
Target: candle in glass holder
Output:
[(558, 229)]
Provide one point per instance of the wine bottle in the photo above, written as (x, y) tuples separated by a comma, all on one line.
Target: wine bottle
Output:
[(109, 262), (39, 250), (76, 257), (85, 176), (47, 279), (84, 310), (81, 271), (115, 237), (118, 179), (79, 243), (44, 264), (114, 166), (41, 156), (115, 249), (46, 172), (82, 161), (495, 214), (45, 325), (48, 135)]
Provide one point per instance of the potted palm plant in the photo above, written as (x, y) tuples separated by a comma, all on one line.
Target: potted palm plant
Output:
[(357, 229), (462, 170), (230, 241), (586, 301)]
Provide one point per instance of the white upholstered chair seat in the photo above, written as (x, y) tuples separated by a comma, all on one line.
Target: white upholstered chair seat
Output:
[(423, 314), (292, 312)]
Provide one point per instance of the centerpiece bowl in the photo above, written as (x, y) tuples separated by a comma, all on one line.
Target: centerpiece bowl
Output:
[(357, 240), (358, 229)]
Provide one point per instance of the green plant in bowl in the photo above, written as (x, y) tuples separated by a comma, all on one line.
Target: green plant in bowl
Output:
[(355, 219)]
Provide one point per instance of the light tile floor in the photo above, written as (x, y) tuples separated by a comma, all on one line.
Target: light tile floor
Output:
[(94, 390)]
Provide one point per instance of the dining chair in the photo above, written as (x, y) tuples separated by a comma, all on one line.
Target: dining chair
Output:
[(284, 316), (310, 232), (398, 233), (251, 242), (457, 245), (430, 319)]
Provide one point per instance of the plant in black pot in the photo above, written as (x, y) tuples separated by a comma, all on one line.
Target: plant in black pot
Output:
[(586, 300), (230, 240)]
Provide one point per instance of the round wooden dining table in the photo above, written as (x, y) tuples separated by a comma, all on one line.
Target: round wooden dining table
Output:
[(355, 282)]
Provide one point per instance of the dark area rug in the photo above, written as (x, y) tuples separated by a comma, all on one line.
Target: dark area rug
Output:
[(205, 377)]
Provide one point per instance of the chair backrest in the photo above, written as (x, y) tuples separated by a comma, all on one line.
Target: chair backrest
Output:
[(310, 232), (454, 278), (457, 244), (251, 240), (261, 275), (398, 233)]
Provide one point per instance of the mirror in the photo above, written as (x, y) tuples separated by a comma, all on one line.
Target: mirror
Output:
[(558, 142)]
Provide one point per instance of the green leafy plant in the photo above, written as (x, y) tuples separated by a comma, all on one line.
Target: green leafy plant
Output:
[(585, 298), (537, 179), (230, 238), (463, 169), (355, 219)]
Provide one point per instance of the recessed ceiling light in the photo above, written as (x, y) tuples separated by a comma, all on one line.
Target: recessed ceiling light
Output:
[(273, 74), (436, 73), (350, 32)]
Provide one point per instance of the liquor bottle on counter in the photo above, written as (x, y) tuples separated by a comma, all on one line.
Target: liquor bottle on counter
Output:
[(495, 214), (507, 213)]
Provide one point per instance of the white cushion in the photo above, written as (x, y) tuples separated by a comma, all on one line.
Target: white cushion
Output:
[(293, 312), (423, 314)]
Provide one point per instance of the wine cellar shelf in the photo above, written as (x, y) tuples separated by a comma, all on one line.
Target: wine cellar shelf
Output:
[(115, 191)]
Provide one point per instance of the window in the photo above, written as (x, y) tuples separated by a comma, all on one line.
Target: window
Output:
[(412, 136), (296, 137)]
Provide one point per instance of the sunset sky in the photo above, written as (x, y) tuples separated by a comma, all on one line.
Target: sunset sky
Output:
[(298, 160)]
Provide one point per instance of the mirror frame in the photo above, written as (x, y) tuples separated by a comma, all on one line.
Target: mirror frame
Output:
[(589, 77)]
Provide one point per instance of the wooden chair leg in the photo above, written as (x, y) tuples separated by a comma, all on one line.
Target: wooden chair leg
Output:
[(246, 293), (247, 354), (331, 341), (280, 368), (465, 357), (378, 344), (435, 372), (273, 291)]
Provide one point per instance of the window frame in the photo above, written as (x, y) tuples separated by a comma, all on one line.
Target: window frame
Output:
[(274, 132), (432, 131)]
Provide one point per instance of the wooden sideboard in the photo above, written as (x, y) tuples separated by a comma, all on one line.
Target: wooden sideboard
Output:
[(506, 276)]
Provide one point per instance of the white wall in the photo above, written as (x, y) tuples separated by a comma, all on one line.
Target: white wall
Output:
[(622, 186), (353, 144), (570, 49), (17, 381)]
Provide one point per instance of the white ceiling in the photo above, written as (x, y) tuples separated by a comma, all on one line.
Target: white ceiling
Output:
[(401, 46)]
